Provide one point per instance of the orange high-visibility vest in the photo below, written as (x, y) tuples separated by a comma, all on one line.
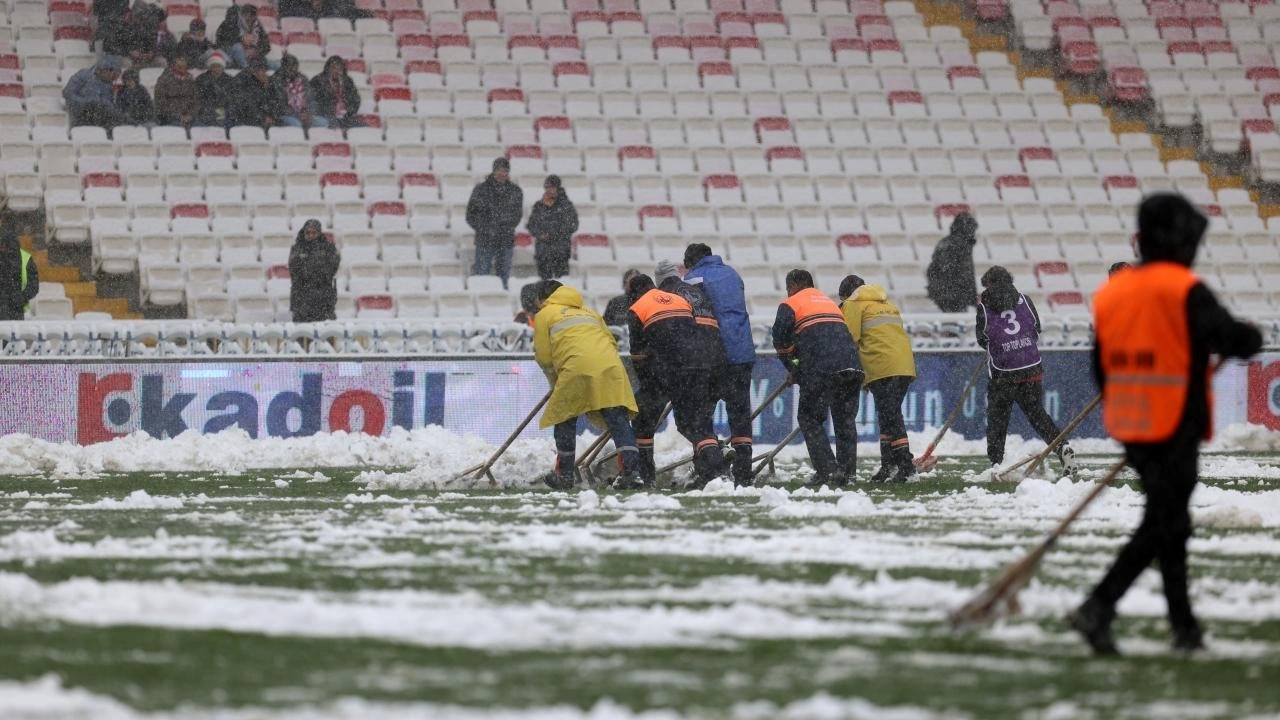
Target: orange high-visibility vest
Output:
[(813, 307), (656, 305), (1144, 339)]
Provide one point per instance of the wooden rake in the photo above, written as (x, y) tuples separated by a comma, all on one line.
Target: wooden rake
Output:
[(485, 469)]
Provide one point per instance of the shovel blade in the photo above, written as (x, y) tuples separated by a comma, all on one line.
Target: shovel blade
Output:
[(925, 463)]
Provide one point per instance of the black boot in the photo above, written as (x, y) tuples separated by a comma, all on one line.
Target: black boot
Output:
[(1188, 638), (904, 465), (886, 465), (708, 464), (563, 477), (645, 467), (1093, 621), (832, 480), (742, 465)]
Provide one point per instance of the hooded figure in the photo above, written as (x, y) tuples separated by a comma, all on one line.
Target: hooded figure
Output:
[(90, 94), (294, 96), (579, 356), (241, 35), (19, 281), (313, 269), (335, 94), (887, 359), (552, 223), (494, 212), (950, 272), (1155, 326)]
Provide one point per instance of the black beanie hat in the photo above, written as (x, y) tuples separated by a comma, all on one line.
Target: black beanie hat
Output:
[(850, 284)]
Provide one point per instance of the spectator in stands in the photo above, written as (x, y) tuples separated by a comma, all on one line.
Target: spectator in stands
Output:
[(316, 9), (528, 305), (951, 285), (615, 313), (214, 89), (494, 212), (148, 38), (242, 37), (19, 281), (194, 45), (1117, 267), (177, 101), (90, 95), (335, 95), (133, 101), (313, 271), (253, 99), (294, 97), (552, 223), (113, 21)]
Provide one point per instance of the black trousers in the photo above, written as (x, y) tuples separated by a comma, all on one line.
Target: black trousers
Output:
[(837, 396), (733, 386), (1001, 395), (692, 398), (615, 418), (1168, 474), (552, 260), (888, 394)]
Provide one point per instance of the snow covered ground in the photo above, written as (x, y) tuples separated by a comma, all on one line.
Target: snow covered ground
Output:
[(348, 577)]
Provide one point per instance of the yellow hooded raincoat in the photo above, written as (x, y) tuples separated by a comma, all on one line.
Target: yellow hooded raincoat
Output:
[(876, 325), (580, 357)]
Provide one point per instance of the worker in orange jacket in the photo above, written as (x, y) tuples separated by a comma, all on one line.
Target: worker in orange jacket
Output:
[(1156, 325)]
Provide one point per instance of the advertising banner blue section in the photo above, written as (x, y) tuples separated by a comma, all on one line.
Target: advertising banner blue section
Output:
[(941, 378)]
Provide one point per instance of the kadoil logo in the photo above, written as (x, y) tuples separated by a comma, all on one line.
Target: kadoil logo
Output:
[(115, 404)]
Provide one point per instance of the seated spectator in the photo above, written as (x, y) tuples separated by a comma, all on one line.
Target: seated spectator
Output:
[(316, 9), (253, 100), (177, 100), (133, 102), (90, 95), (194, 45), (113, 20), (149, 40), (294, 97), (214, 89), (242, 37), (336, 96)]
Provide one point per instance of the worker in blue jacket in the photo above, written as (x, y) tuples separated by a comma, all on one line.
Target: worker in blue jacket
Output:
[(723, 286)]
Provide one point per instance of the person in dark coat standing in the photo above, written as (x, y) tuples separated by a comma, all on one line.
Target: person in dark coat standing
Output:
[(254, 100), (814, 344), (723, 285), (19, 280), (552, 223), (1008, 328), (494, 212), (1155, 326), (336, 96), (313, 269), (950, 274)]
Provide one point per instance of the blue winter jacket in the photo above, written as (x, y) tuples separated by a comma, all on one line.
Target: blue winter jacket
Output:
[(724, 287)]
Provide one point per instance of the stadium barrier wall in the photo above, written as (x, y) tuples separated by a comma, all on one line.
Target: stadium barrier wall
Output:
[(93, 401)]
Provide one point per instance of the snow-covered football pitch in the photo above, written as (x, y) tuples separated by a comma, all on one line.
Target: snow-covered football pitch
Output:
[(341, 577)]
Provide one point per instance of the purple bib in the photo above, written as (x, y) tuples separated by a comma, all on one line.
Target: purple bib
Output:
[(1012, 339)]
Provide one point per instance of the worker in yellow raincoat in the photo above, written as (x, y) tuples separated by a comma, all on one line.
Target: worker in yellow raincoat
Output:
[(580, 357)]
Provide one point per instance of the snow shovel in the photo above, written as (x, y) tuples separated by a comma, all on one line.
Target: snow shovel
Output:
[(927, 461), (767, 402), (485, 468), (767, 458), (1001, 595), (1034, 462)]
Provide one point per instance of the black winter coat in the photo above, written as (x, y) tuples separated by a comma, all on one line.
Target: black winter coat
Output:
[(253, 102), (950, 276), (135, 105), (215, 98), (327, 101), (313, 269), (494, 211), (553, 227), (13, 296), (230, 32)]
